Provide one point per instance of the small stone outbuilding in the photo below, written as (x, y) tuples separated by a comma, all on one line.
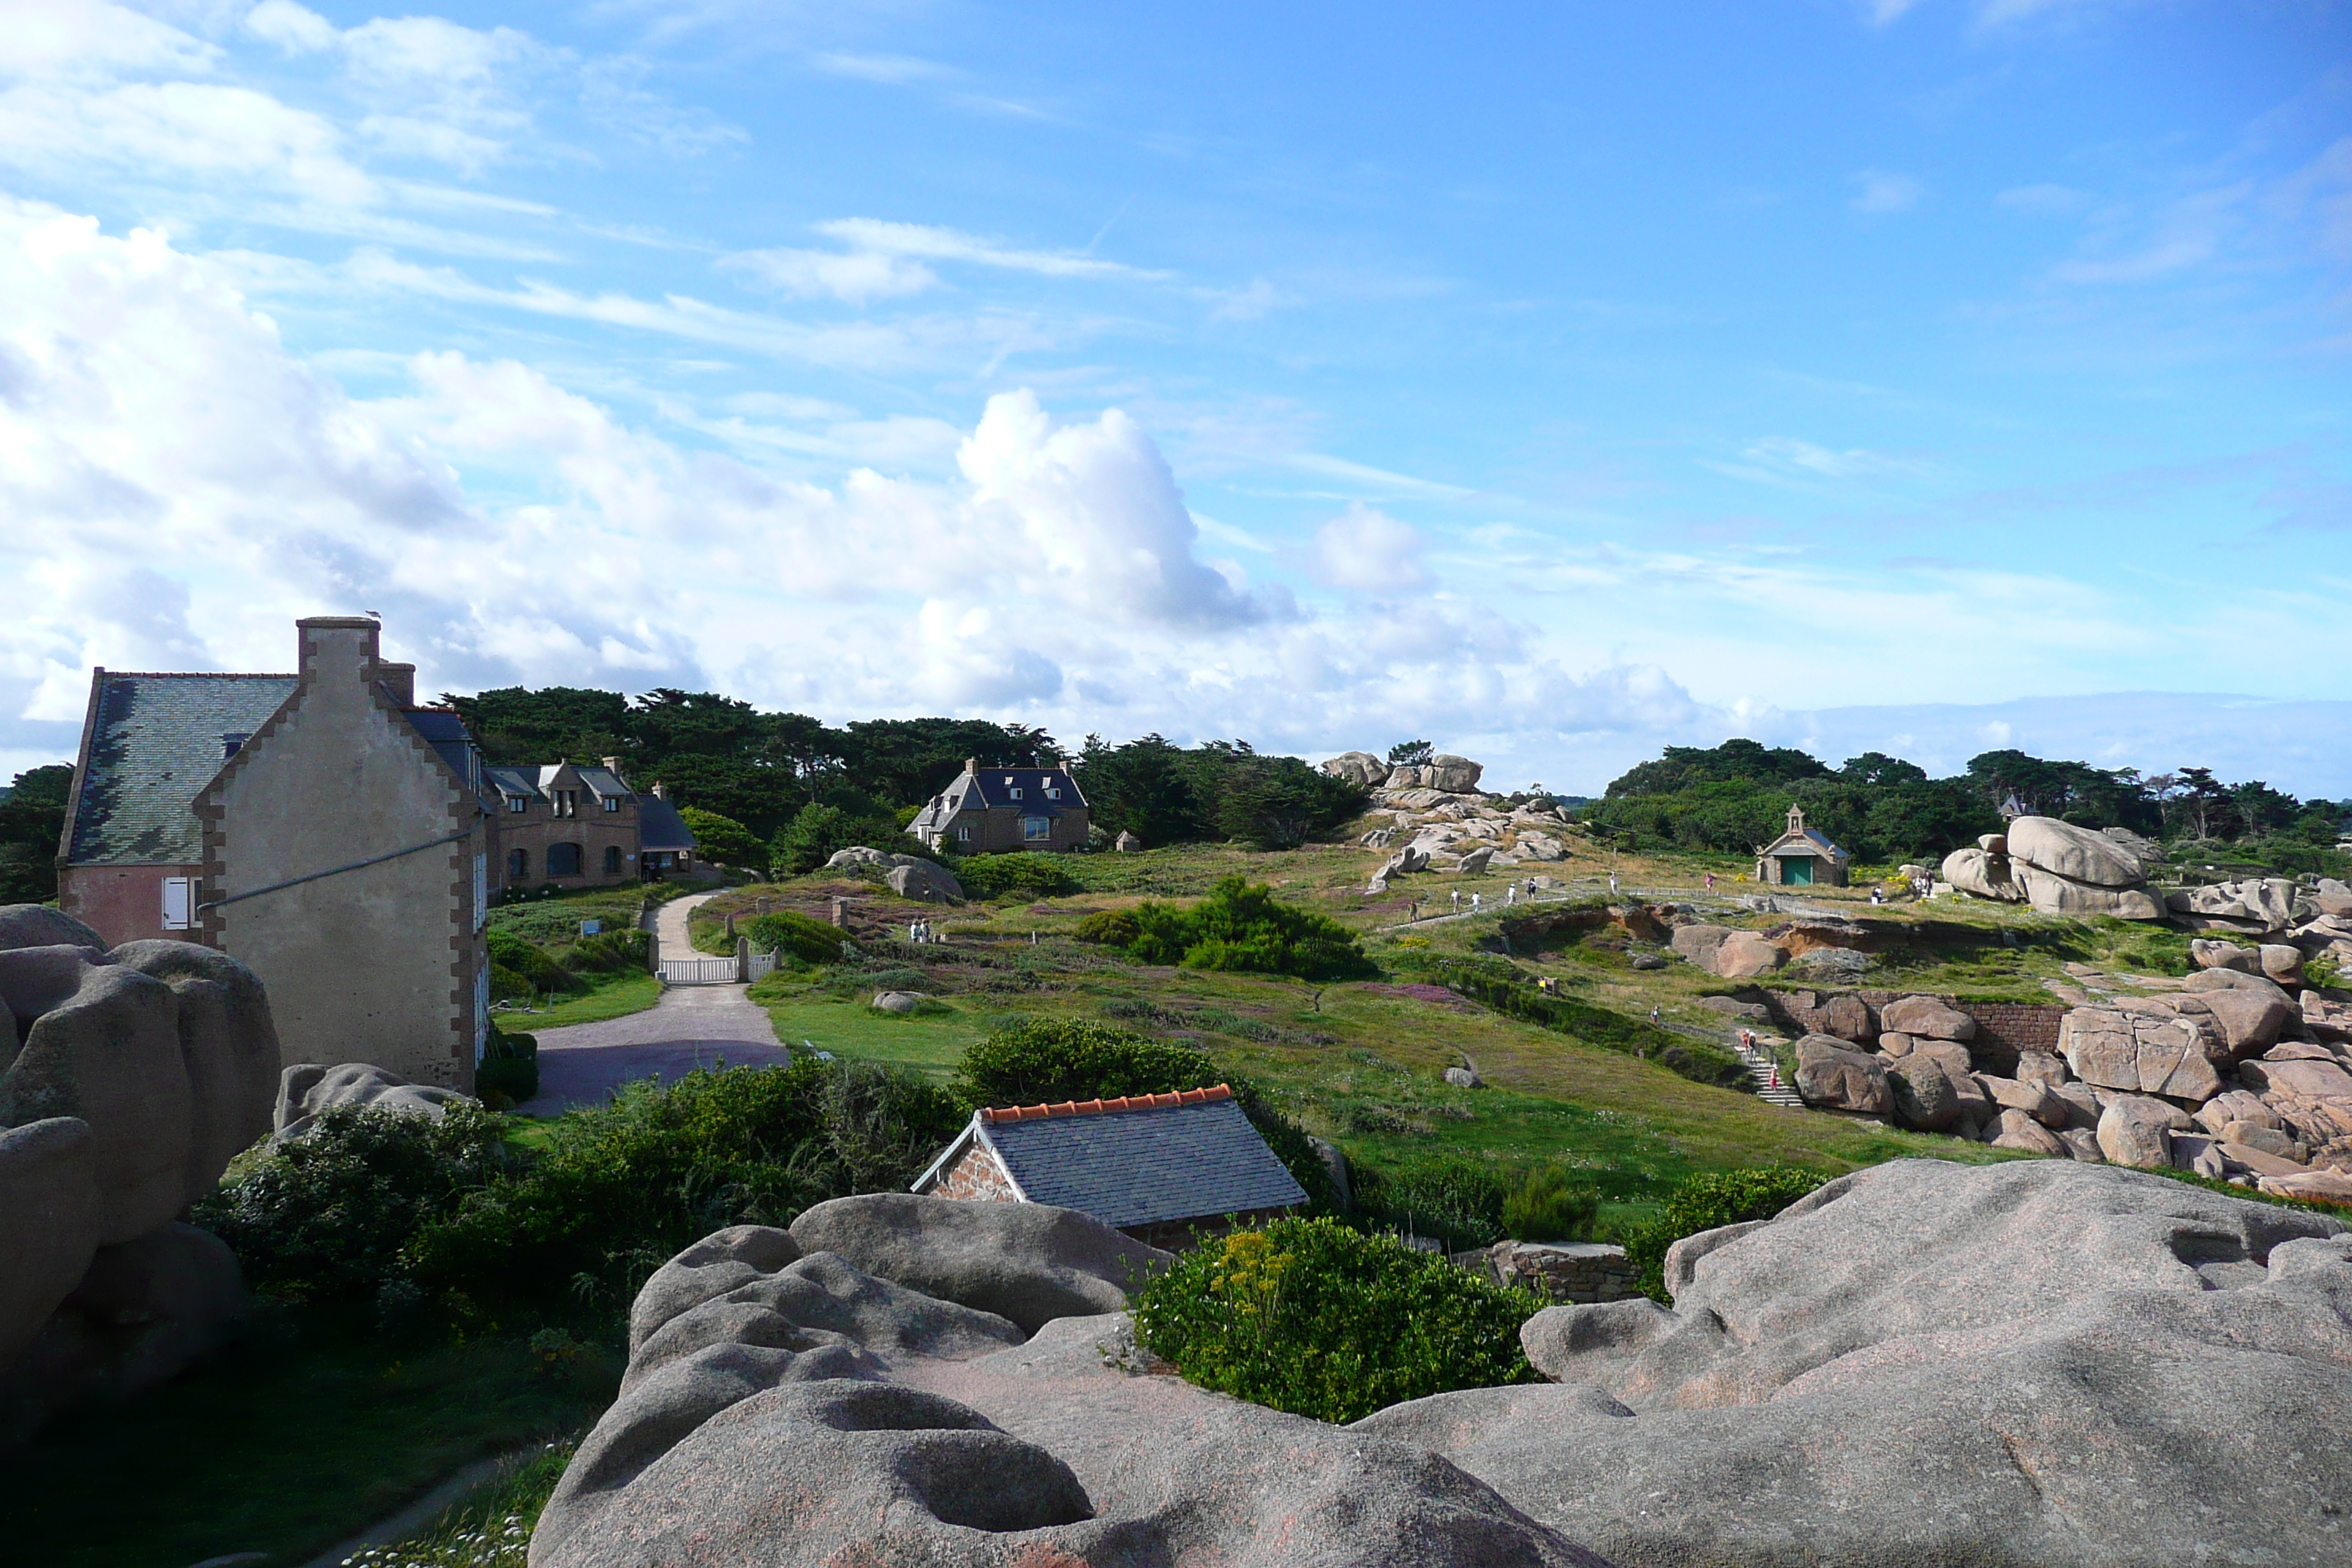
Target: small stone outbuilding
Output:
[(1801, 857), (1164, 1168)]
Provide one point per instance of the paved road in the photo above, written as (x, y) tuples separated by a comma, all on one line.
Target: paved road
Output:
[(691, 1026)]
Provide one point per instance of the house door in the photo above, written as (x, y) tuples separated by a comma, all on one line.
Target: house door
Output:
[(1797, 870)]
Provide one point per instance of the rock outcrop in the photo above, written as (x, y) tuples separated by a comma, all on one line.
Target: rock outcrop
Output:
[(909, 876), (306, 1090), (794, 1405), (134, 1077), (2060, 868), (1932, 1363)]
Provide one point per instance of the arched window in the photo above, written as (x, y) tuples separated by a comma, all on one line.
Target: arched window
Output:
[(563, 860), (611, 859), (518, 865)]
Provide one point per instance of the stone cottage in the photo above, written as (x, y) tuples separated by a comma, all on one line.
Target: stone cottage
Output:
[(995, 810), (1801, 857), (322, 827), (570, 825), (1160, 1167)]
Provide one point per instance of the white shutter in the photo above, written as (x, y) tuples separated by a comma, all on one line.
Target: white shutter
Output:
[(179, 902)]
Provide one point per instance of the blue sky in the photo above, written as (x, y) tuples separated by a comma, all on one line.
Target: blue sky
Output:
[(1552, 382)]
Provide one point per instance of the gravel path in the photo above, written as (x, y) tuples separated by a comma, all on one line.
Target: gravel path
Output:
[(691, 1026)]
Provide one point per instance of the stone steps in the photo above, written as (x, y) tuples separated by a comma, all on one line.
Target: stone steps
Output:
[(1762, 1067)]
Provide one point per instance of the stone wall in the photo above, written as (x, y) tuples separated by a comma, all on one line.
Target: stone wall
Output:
[(1560, 1272), (975, 1177), (2004, 1029)]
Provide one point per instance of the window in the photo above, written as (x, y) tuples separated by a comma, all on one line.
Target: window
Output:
[(516, 803), (611, 859), (567, 803), (1034, 828), (179, 903), (518, 865), (611, 801), (963, 834), (481, 888), (563, 860), (1016, 794)]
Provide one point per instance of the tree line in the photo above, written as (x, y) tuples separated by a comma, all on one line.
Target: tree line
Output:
[(799, 788), (1733, 798)]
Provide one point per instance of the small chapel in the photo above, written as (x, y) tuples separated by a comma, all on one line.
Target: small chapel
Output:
[(1801, 857)]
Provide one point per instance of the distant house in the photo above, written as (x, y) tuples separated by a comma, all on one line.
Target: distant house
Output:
[(1801, 857), (320, 827), (1160, 1167), (578, 826), (994, 810)]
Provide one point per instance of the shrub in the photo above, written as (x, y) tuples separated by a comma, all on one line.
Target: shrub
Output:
[(528, 964), (1707, 1202), (1456, 1200), (1545, 1207), (1310, 1316), (325, 1217), (1241, 926), (1112, 928), (1017, 875), (821, 830), (609, 952), (622, 1187), (1048, 1060), (789, 931), (509, 1066)]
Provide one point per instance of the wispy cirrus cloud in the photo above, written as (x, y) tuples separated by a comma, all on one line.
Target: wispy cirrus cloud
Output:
[(934, 243), (1882, 191)]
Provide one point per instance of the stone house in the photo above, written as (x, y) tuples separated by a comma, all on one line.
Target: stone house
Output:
[(571, 826), (1801, 857), (322, 827), (1160, 1167), (994, 810)]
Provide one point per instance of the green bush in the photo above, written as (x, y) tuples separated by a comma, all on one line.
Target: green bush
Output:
[(326, 1217), (608, 952), (1021, 874), (528, 964), (1044, 1061), (790, 931), (1707, 1202), (619, 1188), (509, 1066), (1112, 928), (1545, 1207), (724, 840), (1459, 1201), (822, 830), (1310, 1316), (1241, 926)]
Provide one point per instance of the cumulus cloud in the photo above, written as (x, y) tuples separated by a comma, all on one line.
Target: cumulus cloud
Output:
[(184, 488), (1365, 550)]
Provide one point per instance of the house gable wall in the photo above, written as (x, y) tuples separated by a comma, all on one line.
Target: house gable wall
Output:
[(377, 964), (975, 1177)]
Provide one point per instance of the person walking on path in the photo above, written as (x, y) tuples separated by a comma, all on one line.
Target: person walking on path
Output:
[(1612, 884), (1457, 900), (1476, 903)]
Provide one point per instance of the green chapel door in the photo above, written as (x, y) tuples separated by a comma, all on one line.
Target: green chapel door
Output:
[(1797, 870)]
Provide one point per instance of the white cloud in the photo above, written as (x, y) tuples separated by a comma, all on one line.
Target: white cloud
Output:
[(1878, 191), (1787, 454), (855, 277), (295, 30), (1365, 550), (1882, 12), (202, 131), (80, 38), (951, 244), (891, 70)]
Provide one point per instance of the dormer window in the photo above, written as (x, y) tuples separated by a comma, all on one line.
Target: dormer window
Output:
[(515, 805), (234, 743), (611, 801), (1017, 794), (567, 803)]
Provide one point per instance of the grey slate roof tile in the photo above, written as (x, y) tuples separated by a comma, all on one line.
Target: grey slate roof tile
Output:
[(1146, 1167), (156, 741), (659, 826)]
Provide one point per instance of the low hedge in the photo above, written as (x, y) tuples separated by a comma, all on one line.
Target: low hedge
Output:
[(1019, 874), (1310, 1316), (1694, 1059), (788, 932), (1708, 1203)]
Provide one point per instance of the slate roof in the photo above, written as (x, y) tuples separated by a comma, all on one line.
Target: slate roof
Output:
[(659, 826), (1141, 1161), (444, 731), (155, 742), (977, 790), (523, 781), (603, 782), (1811, 839)]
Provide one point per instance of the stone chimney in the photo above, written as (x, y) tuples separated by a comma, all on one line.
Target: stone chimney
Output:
[(971, 764), (660, 791), (399, 679), (612, 765), (337, 649)]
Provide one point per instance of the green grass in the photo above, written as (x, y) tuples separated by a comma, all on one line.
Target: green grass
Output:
[(557, 920), (615, 995), (307, 1431), (490, 1527)]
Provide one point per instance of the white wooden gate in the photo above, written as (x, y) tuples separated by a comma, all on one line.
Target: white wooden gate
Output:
[(700, 971)]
